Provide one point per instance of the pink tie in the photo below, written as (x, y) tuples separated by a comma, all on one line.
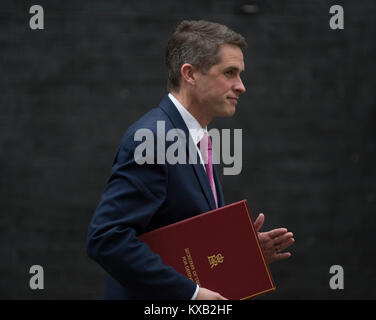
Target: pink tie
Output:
[(206, 151)]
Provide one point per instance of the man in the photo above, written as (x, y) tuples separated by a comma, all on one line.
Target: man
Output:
[(204, 62)]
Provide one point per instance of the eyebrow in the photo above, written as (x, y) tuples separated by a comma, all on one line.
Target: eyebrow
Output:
[(233, 68)]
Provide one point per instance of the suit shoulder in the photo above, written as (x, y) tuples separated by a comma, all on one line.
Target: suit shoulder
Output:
[(148, 121)]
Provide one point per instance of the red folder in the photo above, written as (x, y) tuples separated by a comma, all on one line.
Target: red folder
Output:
[(219, 250)]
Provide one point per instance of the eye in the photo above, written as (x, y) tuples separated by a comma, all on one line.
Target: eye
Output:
[(229, 72)]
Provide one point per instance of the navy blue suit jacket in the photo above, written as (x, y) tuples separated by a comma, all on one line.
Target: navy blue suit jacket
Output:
[(141, 198)]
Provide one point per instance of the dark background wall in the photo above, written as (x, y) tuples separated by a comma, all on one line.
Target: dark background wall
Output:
[(68, 93)]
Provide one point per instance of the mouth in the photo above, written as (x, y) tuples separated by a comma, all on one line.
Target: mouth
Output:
[(233, 99)]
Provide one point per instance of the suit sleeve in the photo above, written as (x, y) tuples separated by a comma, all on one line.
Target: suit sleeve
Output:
[(133, 194)]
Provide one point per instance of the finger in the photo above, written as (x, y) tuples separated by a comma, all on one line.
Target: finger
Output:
[(276, 232), (281, 256), (220, 297), (280, 247), (259, 221), (286, 244), (283, 238)]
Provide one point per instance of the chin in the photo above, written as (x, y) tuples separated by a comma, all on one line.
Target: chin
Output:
[(230, 112), (226, 111)]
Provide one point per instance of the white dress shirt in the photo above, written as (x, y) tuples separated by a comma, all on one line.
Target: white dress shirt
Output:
[(196, 131)]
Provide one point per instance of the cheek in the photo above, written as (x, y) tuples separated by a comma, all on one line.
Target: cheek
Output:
[(219, 89), (224, 86), (214, 90)]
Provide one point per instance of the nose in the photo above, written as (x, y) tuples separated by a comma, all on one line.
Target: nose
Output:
[(239, 86)]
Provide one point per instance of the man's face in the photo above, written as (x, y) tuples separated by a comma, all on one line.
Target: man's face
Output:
[(218, 90)]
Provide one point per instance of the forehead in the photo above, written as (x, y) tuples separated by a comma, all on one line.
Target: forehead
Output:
[(230, 55)]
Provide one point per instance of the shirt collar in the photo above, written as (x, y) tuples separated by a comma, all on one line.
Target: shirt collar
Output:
[(194, 127)]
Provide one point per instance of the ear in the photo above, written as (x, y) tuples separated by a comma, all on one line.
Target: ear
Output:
[(188, 73)]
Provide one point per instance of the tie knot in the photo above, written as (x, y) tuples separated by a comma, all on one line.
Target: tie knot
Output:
[(205, 147), (205, 143)]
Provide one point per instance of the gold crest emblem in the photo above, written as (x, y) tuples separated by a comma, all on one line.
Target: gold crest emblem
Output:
[(215, 259)]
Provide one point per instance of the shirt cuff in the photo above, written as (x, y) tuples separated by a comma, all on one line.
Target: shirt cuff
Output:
[(196, 292)]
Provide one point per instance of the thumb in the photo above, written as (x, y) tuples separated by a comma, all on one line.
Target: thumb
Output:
[(259, 221)]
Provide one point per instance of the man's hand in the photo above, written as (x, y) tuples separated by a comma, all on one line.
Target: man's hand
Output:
[(206, 294), (274, 241)]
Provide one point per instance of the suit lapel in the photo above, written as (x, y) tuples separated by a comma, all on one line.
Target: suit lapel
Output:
[(218, 187), (169, 108)]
